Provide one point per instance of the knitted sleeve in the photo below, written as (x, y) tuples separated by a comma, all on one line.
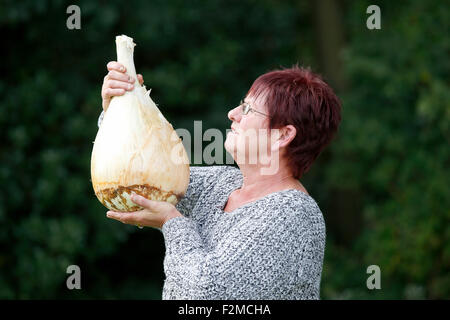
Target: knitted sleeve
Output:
[(267, 255), (200, 178)]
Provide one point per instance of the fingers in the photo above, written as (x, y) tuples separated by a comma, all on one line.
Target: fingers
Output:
[(143, 202), (113, 88), (120, 76), (109, 92), (114, 65), (115, 84), (126, 217), (117, 72), (154, 214)]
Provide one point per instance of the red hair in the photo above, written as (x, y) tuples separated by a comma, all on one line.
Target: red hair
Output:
[(299, 97)]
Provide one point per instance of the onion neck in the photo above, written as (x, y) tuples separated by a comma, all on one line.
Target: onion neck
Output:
[(125, 49)]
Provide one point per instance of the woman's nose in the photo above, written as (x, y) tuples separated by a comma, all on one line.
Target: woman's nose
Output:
[(234, 114)]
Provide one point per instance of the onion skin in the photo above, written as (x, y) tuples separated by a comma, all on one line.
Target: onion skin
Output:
[(119, 199), (136, 149)]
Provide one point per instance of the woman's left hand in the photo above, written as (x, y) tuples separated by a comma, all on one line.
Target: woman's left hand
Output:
[(154, 214)]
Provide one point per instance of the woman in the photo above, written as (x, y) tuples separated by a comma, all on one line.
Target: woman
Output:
[(252, 232)]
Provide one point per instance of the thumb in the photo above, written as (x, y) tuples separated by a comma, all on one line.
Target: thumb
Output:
[(140, 79), (144, 202)]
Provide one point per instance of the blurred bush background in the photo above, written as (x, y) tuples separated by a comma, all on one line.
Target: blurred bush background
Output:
[(383, 184)]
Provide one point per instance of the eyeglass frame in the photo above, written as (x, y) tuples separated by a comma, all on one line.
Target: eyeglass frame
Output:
[(249, 108)]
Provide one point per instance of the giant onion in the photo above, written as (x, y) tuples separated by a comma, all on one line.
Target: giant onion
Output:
[(136, 149)]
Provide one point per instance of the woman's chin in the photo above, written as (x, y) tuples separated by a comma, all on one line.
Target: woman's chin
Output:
[(229, 146)]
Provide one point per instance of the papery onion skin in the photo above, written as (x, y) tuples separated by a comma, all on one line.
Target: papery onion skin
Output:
[(118, 199), (136, 149)]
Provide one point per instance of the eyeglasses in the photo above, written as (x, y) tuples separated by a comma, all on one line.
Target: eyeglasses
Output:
[(246, 108)]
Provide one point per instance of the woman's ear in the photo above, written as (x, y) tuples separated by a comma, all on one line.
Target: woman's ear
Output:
[(283, 136), (287, 134)]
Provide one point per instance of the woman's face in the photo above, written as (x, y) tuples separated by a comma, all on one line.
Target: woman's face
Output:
[(249, 139)]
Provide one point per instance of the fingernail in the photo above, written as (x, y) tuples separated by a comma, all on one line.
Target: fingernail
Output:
[(122, 69), (130, 86), (130, 79)]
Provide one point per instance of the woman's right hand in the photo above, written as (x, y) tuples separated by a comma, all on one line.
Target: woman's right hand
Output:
[(116, 82)]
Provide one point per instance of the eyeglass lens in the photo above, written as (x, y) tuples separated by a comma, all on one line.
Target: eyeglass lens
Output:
[(245, 108)]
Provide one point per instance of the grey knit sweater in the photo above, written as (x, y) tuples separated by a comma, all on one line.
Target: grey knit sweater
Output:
[(271, 248)]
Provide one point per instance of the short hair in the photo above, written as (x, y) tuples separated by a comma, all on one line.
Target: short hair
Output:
[(299, 97)]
